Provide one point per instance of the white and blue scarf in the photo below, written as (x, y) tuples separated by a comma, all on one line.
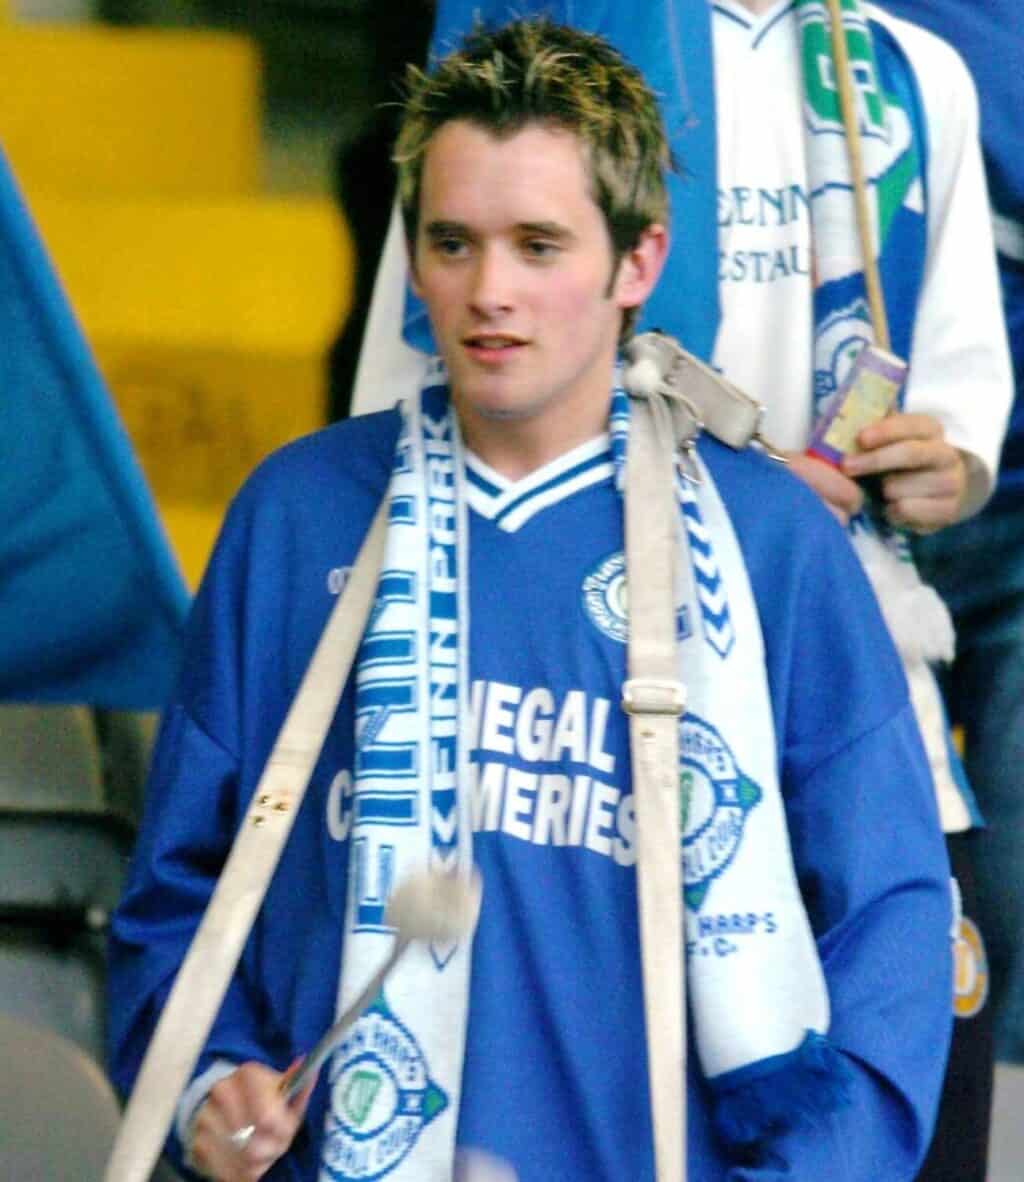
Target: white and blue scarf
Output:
[(408, 814), (763, 1049)]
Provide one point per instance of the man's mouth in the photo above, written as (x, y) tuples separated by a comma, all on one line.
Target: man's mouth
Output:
[(486, 344)]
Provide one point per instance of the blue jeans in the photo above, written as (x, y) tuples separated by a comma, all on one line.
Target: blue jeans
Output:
[(978, 567)]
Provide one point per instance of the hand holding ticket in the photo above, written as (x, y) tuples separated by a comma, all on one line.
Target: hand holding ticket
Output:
[(922, 477)]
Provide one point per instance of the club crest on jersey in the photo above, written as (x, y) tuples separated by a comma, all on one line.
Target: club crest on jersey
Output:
[(970, 970), (715, 799), (382, 1097), (606, 600)]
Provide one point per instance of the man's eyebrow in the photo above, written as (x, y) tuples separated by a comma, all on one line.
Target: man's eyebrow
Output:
[(546, 230), (440, 229)]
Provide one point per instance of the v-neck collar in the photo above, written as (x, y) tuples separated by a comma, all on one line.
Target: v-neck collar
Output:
[(757, 26), (512, 503)]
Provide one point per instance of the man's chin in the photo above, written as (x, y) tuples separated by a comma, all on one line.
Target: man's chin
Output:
[(495, 407), (502, 414)]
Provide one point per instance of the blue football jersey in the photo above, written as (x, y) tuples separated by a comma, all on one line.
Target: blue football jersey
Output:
[(555, 1062)]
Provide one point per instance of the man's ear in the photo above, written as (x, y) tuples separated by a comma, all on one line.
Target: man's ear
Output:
[(640, 267)]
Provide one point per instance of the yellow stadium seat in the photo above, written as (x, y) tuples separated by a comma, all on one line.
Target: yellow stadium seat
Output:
[(211, 322), (130, 111), (210, 308)]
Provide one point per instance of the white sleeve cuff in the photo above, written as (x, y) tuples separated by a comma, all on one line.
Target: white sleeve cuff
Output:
[(978, 487), (194, 1095)]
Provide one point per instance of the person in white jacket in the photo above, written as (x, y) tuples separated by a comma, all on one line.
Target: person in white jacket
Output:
[(934, 461)]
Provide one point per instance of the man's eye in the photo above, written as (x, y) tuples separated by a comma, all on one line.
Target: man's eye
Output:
[(540, 248), (451, 247)]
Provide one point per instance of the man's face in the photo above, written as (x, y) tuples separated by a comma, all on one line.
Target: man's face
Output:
[(514, 262)]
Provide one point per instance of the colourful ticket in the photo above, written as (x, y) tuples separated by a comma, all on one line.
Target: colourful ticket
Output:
[(867, 394)]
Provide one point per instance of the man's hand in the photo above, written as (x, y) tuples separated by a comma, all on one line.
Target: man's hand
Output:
[(841, 494), (924, 478), (249, 1096)]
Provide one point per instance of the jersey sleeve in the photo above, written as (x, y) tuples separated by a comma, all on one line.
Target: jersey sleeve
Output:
[(292, 531), (193, 807), (872, 869), (866, 842)]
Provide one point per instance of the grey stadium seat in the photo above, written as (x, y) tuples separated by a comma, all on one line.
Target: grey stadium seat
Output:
[(62, 858), (58, 1114)]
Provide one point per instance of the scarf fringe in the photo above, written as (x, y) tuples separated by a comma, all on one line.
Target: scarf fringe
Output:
[(920, 624), (916, 616), (768, 1097)]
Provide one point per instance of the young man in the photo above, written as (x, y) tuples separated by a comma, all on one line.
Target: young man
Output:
[(765, 137), (483, 721)]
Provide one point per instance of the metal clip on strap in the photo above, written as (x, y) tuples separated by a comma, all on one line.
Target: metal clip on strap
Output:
[(653, 695)]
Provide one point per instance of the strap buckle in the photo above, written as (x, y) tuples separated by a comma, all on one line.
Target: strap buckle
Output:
[(769, 449), (653, 695)]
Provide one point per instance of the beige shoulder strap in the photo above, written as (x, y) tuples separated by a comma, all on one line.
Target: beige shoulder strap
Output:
[(213, 955), (655, 698)]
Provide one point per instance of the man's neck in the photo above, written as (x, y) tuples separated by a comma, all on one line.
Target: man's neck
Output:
[(515, 448), (758, 6)]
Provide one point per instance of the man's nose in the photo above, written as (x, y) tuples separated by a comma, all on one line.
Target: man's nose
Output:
[(493, 278)]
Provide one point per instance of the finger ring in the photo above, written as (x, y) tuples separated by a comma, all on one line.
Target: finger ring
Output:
[(241, 1137)]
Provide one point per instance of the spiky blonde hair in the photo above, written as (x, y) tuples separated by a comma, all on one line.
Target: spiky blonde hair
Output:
[(536, 71)]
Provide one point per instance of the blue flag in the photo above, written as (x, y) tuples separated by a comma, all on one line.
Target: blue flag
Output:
[(92, 605), (669, 41)]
